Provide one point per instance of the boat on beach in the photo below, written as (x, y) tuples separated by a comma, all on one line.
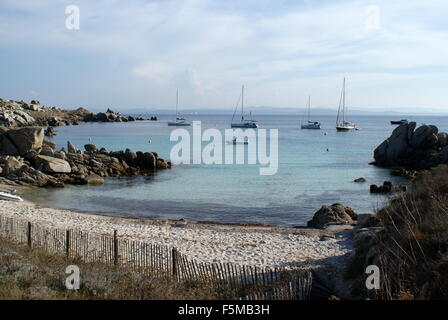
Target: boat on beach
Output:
[(310, 124), (341, 123), (180, 121), (244, 123), (9, 197), (402, 121)]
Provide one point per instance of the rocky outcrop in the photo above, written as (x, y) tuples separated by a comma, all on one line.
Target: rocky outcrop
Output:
[(387, 187), (21, 141), (29, 159), (407, 146), (23, 114), (108, 116), (52, 165), (16, 118), (10, 164), (336, 214), (91, 148), (50, 132)]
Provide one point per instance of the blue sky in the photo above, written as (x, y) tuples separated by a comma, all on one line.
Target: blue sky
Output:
[(136, 53)]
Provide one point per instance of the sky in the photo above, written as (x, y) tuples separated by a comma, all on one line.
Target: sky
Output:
[(137, 53)]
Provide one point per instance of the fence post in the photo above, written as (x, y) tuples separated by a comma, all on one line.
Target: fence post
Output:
[(174, 254), (29, 235), (67, 242), (115, 248)]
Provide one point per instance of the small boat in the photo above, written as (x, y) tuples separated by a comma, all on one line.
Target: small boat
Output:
[(180, 121), (402, 121), (341, 123), (310, 124), (235, 141), (243, 123), (9, 197)]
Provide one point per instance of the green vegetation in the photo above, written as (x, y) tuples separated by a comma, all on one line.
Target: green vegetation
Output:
[(36, 274)]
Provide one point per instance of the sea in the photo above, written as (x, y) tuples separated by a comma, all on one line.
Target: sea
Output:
[(315, 168)]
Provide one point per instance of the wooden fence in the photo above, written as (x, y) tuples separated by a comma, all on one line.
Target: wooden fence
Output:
[(159, 261)]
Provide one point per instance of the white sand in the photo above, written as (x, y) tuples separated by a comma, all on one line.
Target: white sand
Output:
[(261, 247)]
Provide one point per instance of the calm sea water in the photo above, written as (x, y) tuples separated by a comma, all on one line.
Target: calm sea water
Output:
[(308, 176)]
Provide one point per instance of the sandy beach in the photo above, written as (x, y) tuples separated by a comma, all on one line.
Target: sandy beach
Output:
[(261, 246)]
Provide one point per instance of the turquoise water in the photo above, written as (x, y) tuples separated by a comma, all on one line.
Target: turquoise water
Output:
[(308, 175)]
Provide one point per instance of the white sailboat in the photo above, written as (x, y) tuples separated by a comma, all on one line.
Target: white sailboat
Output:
[(243, 123), (180, 121), (341, 123), (310, 124)]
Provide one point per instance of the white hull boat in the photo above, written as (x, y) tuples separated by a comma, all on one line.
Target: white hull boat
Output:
[(341, 123), (9, 197), (180, 121), (310, 124), (243, 123)]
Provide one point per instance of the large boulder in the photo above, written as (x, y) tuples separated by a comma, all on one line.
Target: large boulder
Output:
[(94, 179), (91, 148), (147, 160), (11, 164), (395, 147), (421, 136), (21, 141), (130, 156), (52, 165), (414, 148), (442, 139), (336, 214), (71, 148)]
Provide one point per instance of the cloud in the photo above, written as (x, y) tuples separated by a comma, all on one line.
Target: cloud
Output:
[(208, 48)]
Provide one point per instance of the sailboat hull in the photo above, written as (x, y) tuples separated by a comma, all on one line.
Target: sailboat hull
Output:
[(345, 128), (178, 124), (244, 125), (311, 126)]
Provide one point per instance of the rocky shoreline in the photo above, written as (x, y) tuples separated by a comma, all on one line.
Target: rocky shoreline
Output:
[(23, 114), (409, 149), (28, 159)]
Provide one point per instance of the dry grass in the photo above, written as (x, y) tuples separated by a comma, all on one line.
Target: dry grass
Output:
[(36, 274), (412, 249)]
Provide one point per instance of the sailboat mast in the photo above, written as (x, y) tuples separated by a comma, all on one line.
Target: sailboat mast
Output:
[(242, 103), (343, 103), (309, 107), (177, 101)]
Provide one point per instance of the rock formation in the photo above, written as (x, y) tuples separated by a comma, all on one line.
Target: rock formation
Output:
[(409, 147), (26, 158), (387, 187), (23, 114), (336, 214), (108, 116)]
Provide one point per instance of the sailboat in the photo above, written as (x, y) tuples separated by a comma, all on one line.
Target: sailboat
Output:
[(310, 124), (341, 123), (243, 123), (180, 121)]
